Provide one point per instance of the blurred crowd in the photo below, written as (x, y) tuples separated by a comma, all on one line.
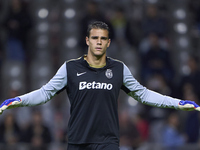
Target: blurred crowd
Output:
[(142, 39)]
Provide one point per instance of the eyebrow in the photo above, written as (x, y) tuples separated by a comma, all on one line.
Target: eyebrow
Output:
[(102, 37)]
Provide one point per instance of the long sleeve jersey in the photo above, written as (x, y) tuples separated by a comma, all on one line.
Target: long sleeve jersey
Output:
[(93, 95)]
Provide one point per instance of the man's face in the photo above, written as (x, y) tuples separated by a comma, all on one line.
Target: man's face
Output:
[(98, 42)]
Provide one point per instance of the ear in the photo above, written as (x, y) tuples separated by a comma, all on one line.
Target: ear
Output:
[(109, 41), (87, 40)]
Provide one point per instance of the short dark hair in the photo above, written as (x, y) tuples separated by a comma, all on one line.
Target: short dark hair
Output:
[(97, 25)]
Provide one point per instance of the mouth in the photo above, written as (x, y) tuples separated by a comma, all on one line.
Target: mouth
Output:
[(98, 48)]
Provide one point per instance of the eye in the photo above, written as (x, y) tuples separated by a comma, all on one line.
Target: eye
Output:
[(104, 38), (94, 37)]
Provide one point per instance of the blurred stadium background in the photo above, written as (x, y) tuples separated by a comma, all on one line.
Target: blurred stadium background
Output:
[(157, 39)]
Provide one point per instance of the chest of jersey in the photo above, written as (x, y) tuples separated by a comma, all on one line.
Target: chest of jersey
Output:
[(95, 80), (84, 81), (93, 95)]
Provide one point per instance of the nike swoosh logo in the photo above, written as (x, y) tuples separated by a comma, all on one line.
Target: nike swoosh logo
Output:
[(79, 74)]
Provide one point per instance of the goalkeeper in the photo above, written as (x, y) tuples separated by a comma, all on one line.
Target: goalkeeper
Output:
[(92, 83)]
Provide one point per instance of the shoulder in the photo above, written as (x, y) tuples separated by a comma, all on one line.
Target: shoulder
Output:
[(117, 63), (114, 61), (74, 60), (75, 64)]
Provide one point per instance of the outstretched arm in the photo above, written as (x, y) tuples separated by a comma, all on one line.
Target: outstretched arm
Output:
[(40, 96), (140, 93)]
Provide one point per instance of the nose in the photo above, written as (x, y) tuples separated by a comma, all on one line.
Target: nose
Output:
[(99, 41)]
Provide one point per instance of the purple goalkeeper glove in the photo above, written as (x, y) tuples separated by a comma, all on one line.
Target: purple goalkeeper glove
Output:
[(188, 105), (10, 103)]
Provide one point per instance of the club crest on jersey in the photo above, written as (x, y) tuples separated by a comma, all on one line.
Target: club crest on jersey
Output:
[(109, 73)]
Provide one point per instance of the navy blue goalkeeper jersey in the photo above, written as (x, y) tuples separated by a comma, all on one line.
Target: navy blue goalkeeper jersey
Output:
[(93, 94)]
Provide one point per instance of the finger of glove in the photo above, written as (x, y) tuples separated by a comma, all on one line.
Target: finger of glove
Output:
[(188, 107), (4, 107), (184, 102), (1, 111), (4, 103), (198, 108), (9, 105), (13, 104), (12, 101)]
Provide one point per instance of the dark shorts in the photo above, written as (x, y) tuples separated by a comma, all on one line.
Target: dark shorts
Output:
[(92, 147)]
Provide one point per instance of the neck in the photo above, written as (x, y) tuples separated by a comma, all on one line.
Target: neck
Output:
[(96, 62)]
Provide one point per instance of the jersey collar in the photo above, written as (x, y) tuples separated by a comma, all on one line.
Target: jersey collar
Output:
[(87, 65)]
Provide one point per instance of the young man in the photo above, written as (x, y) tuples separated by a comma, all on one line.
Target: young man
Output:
[(93, 83)]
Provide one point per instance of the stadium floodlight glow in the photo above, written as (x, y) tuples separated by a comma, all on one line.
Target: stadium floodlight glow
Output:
[(15, 71), (185, 70), (180, 28), (183, 42), (184, 56), (70, 13), (43, 13), (71, 42), (180, 14), (132, 102), (43, 27)]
